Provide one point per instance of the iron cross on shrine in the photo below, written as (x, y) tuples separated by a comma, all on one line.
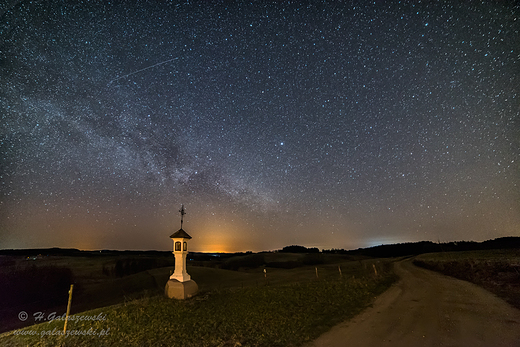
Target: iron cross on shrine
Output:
[(183, 212)]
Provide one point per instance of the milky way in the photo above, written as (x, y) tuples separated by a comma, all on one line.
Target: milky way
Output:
[(324, 124)]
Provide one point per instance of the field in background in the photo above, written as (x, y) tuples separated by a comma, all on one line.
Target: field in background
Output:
[(285, 308), (495, 270)]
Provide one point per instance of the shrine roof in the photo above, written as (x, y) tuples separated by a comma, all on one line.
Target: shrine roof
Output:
[(180, 234)]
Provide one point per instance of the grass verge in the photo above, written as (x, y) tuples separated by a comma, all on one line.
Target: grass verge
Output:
[(495, 270), (255, 316)]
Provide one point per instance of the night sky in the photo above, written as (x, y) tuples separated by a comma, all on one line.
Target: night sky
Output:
[(322, 124)]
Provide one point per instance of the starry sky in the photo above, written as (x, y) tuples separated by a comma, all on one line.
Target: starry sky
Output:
[(325, 124)]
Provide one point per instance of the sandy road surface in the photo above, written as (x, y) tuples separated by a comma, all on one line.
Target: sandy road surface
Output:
[(428, 309)]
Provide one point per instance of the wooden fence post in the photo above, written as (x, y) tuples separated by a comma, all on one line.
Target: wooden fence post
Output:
[(68, 309)]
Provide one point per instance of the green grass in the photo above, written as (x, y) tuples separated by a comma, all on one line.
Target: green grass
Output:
[(94, 289), (255, 315)]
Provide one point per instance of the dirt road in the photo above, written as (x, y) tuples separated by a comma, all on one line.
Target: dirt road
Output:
[(428, 309)]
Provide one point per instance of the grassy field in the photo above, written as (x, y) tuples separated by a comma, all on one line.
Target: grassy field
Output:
[(96, 284), (496, 270), (233, 308)]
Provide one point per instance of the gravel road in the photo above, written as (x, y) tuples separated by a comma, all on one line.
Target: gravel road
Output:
[(426, 308)]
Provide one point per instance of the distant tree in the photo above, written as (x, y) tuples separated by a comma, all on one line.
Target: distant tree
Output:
[(119, 268), (294, 249), (133, 268), (106, 271), (299, 249), (335, 251)]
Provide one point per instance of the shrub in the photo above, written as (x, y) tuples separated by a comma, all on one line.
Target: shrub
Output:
[(313, 259), (130, 266), (248, 261), (284, 264), (48, 284)]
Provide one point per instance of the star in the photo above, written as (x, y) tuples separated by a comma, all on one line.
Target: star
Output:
[(328, 125)]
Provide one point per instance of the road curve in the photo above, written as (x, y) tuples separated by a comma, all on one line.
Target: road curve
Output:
[(426, 308)]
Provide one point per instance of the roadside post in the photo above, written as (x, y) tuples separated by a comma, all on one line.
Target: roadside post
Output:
[(68, 309)]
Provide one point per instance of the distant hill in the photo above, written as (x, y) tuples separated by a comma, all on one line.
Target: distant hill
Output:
[(415, 248), (73, 252), (382, 251)]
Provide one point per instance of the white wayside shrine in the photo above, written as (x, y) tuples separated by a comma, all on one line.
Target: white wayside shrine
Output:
[(180, 285)]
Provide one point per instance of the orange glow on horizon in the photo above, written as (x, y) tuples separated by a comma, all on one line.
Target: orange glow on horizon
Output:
[(216, 249), (220, 237)]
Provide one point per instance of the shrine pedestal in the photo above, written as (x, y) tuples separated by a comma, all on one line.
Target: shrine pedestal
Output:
[(180, 290)]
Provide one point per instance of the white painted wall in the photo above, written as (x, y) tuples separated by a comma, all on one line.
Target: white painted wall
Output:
[(180, 273)]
